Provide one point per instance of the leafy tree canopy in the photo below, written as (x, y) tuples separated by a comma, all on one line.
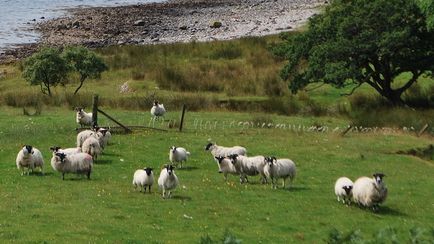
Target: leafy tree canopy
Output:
[(85, 62), (361, 41), (46, 68)]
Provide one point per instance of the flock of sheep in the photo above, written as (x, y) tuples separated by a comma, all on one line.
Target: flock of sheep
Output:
[(367, 192)]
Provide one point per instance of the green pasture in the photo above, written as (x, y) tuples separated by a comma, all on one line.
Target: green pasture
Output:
[(106, 208)]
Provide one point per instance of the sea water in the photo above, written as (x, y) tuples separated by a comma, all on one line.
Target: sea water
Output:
[(18, 17)]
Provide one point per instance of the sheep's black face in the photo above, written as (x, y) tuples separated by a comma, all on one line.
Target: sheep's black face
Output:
[(78, 109), (347, 189), (233, 158), (219, 159), (55, 148), (379, 177), (173, 148), (148, 171), (28, 148), (208, 146), (169, 169), (156, 103), (62, 156)]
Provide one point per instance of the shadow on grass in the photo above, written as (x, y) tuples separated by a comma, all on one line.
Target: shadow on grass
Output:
[(183, 198), (41, 174), (384, 210), (104, 161), (297, 188)]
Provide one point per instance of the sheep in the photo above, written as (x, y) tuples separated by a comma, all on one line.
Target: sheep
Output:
[(279, 168), (82, 118), (79, 163), (178, 155), (249, 166), (29, 157), (67, 151), (343, 190), (91, 146), (157, 110), (370, 192), (143, 178), (167, 181), (83, 135), (106, 136), (226, 166), (218, 151)]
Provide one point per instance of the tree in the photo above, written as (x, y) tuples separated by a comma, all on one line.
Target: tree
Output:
[(46, 68), (427, 7), (85, 62), (354, 42)]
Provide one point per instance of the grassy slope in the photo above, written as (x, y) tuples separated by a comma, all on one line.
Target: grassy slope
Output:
[(45, 208)]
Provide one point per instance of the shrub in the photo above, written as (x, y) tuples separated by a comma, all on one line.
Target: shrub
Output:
[(226, 51)]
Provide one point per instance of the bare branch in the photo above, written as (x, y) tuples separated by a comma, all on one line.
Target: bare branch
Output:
[(352, 91), (413, 79)]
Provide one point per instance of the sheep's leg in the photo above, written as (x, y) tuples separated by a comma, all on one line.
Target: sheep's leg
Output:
[(164, 193), (144, 189), (88, 175), (149, 188), (226, 176), (63, 176)]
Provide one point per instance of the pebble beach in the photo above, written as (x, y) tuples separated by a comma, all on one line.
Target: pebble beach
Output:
[(169, 22)]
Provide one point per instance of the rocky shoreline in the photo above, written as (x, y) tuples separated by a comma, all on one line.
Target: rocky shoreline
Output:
[(168, 22)]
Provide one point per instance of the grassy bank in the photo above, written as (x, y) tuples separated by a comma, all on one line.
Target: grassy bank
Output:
[(106, 208)]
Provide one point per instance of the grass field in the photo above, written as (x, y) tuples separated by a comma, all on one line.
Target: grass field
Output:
[(107, 209)]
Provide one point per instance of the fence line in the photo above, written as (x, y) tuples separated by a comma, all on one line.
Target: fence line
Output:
[(200, 124)]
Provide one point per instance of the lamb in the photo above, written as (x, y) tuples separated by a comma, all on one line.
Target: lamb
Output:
[(370, 192), (178, 155), (67, 151), (168, 180), (157, 110), (249, 166), (82, 118), (226, 166), (79, 163), (143, 178), (220, 151), (91, 146), (279, 168), (29, 157), (343, 190)]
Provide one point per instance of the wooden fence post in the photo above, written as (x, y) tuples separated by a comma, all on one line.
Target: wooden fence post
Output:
[(182, 117), (95, 111)]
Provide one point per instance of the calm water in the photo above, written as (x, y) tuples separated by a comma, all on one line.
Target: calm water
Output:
[(17, 16)]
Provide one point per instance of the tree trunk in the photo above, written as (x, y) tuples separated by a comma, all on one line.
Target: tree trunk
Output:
[(47, 85), (81, 84), (394, 97)]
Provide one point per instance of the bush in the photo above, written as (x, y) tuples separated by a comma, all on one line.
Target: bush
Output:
[(386, 235), (226, 51)]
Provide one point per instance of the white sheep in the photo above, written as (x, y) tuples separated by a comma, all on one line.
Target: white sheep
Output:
[(79, 163), (29, 157), (91, 146), (226, 166), (249, 166), (143, 178), (343, 190), (279, 168), (178, 155), (370, 192), (82, 118), (66, 151), (167, 181), (221, 151), (83, 135), (157, 110)]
